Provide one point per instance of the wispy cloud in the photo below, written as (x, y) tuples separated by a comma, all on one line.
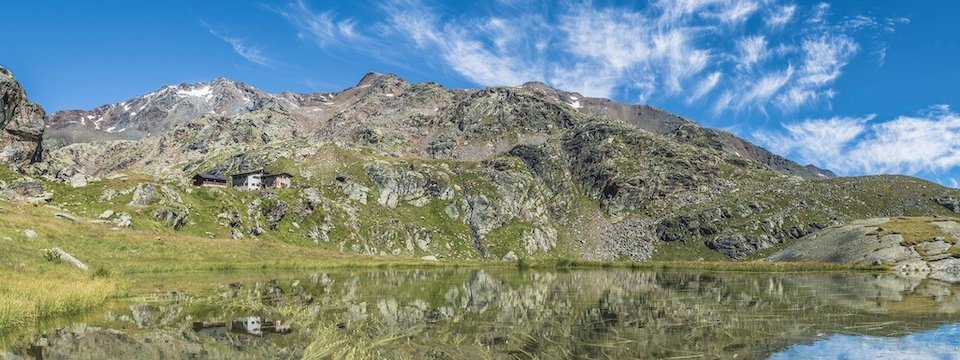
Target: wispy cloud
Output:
[(824, 58), (321, 27), (252, 54), (779, 16), (692, 50), (752, 50), (705, 86), (929, 142)]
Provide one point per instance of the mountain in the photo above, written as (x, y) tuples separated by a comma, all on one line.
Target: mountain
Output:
[(153, 113), (158, 111), (661, 122), (21, 122), (388, 167)]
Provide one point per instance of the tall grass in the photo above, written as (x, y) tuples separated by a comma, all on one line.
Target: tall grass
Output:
[(26, 298)]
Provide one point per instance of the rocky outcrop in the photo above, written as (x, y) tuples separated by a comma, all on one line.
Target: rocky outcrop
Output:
[(917, 247), (21, 122), (172, 216), (948, 202), (26, 190)]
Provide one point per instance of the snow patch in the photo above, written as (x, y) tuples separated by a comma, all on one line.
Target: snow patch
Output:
[(575, 104), (205, 92)]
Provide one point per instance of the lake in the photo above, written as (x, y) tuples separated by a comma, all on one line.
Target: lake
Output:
[(506, 313)]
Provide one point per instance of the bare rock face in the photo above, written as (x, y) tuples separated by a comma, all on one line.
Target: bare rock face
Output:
[(21, 122), (870, 242)]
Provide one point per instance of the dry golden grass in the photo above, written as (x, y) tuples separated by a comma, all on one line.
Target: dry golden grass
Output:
[(915, 230), (24, 298)]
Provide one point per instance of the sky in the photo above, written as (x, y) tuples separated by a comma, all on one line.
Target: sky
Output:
[(855, 86)]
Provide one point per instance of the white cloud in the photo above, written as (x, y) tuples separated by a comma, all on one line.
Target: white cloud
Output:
[(760, 92), (820, 13), (705, 86), (670, 49), (737, 11), (813, 140), (752, 50), (905, 145), (252, 54), (322, 28), (824, 57), (780, 16)]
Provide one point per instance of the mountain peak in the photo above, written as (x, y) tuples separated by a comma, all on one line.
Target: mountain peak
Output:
[(370, 78)]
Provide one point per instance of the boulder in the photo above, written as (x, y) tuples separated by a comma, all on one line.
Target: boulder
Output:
[(144, 195), (510, 257), (78, 180), (69, 259), (124, 220), (107, 214), (173, 217), (23, 189), (30, 233)]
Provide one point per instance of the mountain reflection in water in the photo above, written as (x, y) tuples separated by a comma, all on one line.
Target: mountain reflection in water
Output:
[(504, 313)]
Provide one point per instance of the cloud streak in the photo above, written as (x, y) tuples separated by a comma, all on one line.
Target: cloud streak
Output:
[(323, 28), (250, 53)]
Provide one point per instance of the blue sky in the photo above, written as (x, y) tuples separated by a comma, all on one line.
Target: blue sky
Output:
[(859, 87)]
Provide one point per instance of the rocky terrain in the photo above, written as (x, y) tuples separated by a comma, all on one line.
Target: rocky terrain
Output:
[(388, 168), (21, 122), (920, 247)]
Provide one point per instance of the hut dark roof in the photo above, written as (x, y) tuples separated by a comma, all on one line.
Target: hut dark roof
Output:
[(208, 176)]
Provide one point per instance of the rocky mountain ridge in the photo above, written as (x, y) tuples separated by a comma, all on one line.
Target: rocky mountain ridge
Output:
[(158, 111), (393, 168)]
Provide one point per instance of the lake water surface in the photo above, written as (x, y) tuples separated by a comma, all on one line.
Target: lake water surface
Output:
[(502, 313)]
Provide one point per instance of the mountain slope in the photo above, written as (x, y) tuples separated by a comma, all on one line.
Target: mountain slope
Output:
[(380, 100), (663, 123), (392, 168)]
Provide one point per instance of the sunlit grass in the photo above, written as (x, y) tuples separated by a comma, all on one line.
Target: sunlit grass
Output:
[(25, 298)]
